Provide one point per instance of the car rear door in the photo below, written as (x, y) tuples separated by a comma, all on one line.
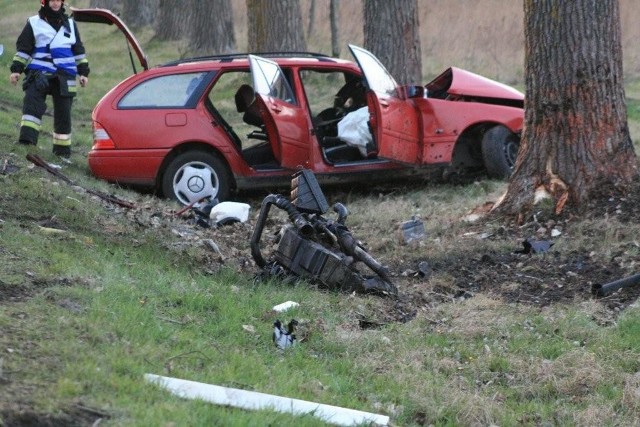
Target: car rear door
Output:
[(394, 121), (286, 123)]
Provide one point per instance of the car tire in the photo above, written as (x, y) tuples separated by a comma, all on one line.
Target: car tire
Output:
[(499, 151), (194, 175)]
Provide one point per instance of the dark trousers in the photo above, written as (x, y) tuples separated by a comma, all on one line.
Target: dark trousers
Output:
[(34, 106)]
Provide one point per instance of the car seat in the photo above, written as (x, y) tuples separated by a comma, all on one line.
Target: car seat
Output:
[(246, 103)]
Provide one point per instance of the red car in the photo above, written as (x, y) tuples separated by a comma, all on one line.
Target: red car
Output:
[(205, 127)]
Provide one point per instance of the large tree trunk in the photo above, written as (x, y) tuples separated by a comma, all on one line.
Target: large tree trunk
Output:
[(211, 29), (170, 24), (335, 23), (139, 13), (113, 5), (392, 33), (275, 25), (576, 142)]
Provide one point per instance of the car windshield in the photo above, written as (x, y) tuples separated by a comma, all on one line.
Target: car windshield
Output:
[(172, 91)]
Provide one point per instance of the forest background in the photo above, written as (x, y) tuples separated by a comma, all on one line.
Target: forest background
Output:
[(485, 36)]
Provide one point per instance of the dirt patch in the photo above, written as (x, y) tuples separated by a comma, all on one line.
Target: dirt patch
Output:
[(76, 416)]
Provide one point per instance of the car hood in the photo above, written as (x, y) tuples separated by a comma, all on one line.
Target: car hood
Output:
[(105, 16), (459, 82)]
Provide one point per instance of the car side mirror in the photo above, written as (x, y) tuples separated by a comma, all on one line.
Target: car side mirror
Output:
[(414, 91)]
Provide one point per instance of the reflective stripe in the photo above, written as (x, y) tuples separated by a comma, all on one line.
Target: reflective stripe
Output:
[(34, 119), (31, 122), (62, 139), (20, 59)]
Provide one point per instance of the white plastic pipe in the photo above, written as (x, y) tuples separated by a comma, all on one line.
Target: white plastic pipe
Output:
[(256, 401)]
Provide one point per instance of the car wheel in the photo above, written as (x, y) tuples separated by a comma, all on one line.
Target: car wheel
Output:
[(195, 175), (499, 151)]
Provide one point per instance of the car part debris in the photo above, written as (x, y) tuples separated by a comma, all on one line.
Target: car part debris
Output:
[(285, 306), (532, 246), (252, 400), (315, 248), (38, 161), (604, 290), (284, 337)]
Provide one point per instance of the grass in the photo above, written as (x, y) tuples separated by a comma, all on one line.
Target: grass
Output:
[(87, 312)]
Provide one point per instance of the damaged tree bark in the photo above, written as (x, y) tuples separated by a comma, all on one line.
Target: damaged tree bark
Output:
[(576, 143)]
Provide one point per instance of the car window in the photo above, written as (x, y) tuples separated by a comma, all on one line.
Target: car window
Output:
[(329, 89), (270, 80), (378, 78), (224, 98), (172, 91)]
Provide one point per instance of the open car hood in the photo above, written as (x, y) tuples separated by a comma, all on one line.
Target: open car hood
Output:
[(458, 82), (105, 16)]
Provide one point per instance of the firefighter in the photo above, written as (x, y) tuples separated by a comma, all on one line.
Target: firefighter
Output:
[(51, 54)]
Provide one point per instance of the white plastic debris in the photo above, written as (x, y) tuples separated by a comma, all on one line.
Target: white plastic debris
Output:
[(226, 211), (252, 400), (285, 306)]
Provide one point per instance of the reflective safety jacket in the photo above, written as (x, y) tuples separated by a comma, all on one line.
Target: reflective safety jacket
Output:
[(51, 50)]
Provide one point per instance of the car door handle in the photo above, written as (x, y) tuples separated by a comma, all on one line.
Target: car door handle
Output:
[(276, 108), (384, 103)]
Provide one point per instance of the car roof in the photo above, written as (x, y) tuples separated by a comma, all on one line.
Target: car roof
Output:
[(242, 59)]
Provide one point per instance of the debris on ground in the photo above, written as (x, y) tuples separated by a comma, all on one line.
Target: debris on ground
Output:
[(315, 248), (412, 231), (285, 306), (284, 337), (251, 400)]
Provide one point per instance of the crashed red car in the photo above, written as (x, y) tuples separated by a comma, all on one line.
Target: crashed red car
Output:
[(206, 127)]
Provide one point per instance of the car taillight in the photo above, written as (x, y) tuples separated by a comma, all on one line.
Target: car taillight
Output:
[(101, 139)]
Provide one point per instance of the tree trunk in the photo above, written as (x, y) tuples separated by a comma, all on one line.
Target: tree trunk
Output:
[(205, 38), (392, 33), (275, 25), (170, 24), (335, 22), (113, 5), (312, 18), (576, 144), (139, 13)]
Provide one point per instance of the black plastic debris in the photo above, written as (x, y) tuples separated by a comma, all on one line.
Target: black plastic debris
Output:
[(202, 211), (424, 269), (284, 337), (604, 290), (532, 246)]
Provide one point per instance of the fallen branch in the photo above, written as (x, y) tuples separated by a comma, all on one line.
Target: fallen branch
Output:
[(38, 161)]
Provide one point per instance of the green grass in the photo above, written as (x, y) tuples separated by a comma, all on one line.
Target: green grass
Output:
[(114, 297)]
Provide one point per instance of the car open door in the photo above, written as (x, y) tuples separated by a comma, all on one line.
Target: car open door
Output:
[(394, 121), (287, 126), (105, 16)]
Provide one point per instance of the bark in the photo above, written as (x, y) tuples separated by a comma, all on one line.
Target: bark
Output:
[(170, 24), (392, 33), (312, 18), (335, 23), (275, 25), (576, 143), (113, 5), (211, 29), (139, 13)]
